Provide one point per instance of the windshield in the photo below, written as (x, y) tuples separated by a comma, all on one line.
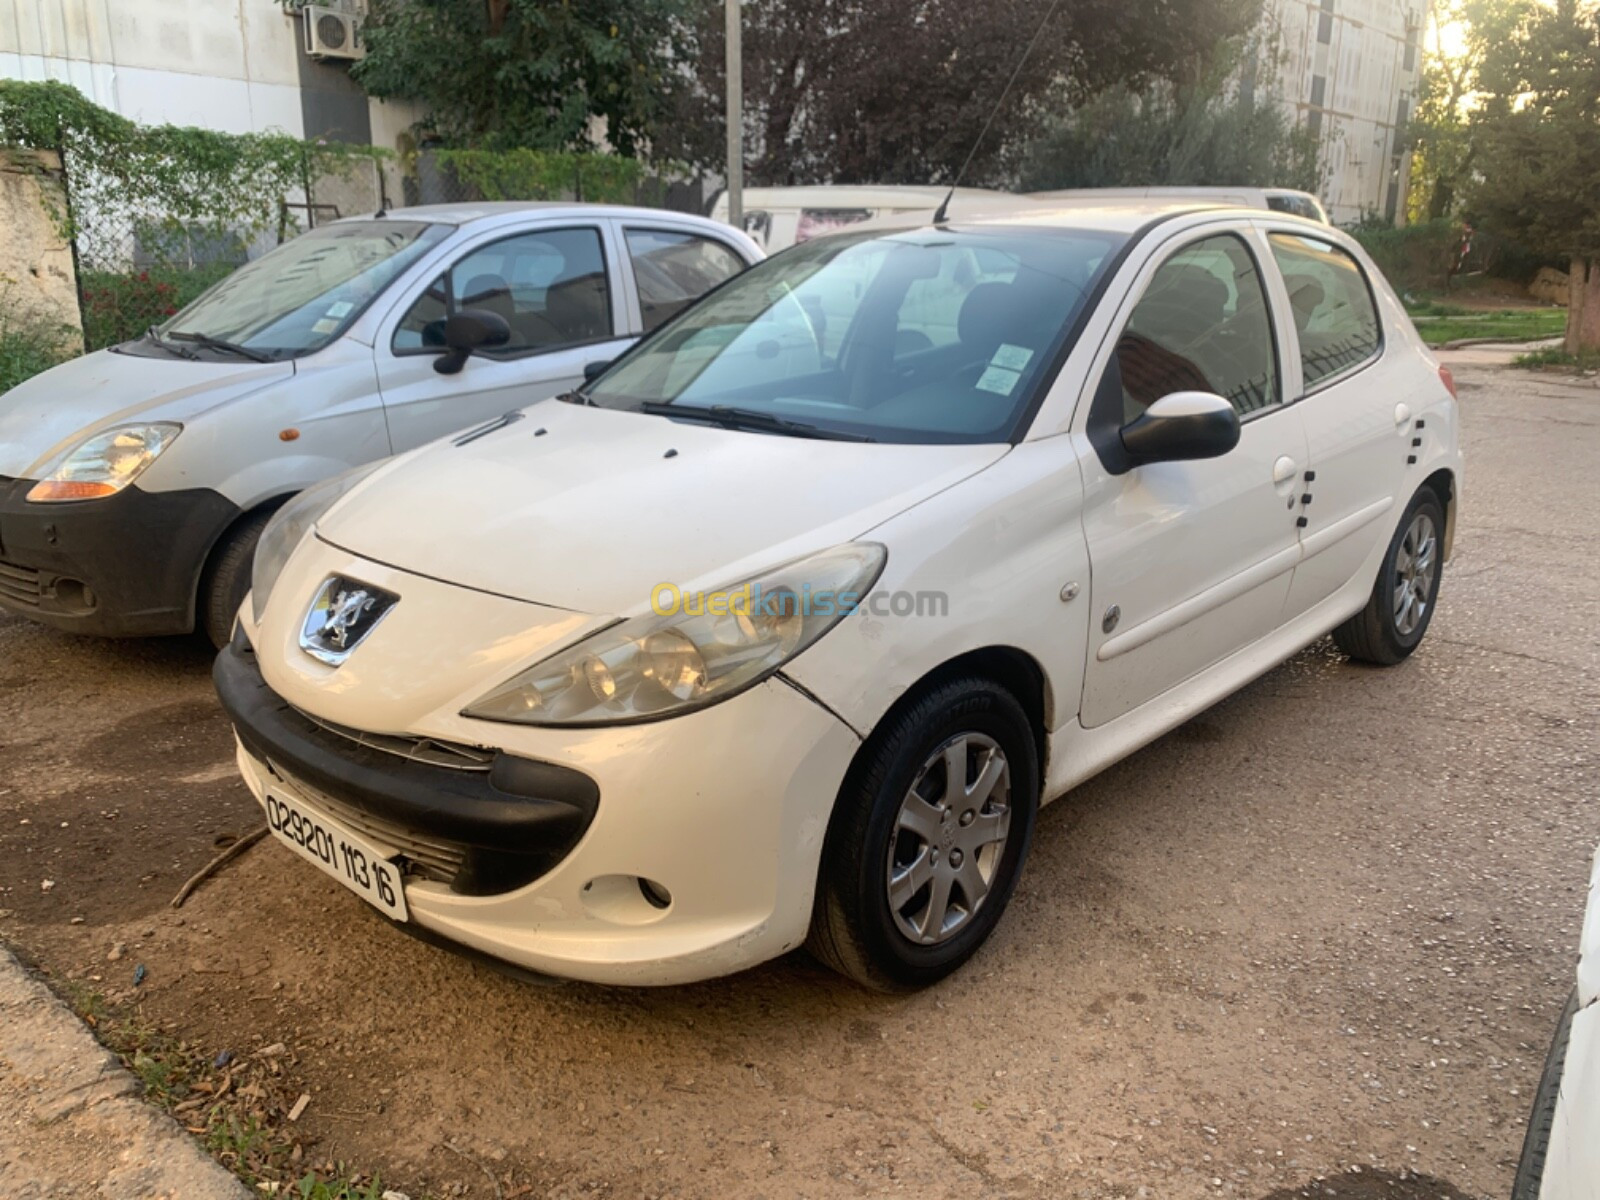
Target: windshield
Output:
[(932, 335), (305, 293)]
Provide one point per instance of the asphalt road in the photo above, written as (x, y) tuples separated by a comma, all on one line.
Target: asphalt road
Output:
[(1314, 940)]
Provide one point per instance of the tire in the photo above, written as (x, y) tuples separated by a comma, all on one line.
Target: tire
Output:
[(1386, 631), (1542, 1120), (855, 928), (226, 580)]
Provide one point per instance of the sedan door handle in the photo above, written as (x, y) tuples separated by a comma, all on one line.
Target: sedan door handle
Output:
[(1402, 415), (1284, 469)]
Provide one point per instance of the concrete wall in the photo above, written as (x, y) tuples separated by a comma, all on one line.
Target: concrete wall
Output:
[(238, 66), (36, 278)]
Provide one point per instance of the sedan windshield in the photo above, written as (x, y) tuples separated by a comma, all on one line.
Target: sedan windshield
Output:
[(932, 335), (305, 293)]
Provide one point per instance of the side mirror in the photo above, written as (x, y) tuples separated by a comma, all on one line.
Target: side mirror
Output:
[(593, 371), (1184, 425), (468, 330)]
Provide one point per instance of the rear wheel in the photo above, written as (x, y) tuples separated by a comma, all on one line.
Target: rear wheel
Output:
[(928, 838), (226, 581), (1406, 592)]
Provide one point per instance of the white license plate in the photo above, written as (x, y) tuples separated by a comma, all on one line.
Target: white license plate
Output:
[(361, 866)]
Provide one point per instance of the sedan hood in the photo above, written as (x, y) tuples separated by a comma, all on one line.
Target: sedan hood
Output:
[(49, 414), (590, 509)]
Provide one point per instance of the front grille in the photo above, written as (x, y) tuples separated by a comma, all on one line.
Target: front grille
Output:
[(429, 858), (20, 585), (414, 749)]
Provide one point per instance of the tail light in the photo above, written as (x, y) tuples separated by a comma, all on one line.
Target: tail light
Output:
[(1449, 381)]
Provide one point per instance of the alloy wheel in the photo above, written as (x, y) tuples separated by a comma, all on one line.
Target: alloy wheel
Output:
[(1413, 574), (948, 838)]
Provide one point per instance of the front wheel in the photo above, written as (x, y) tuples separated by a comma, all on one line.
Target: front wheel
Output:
[(226, 581), (1407, 591), (928, 838)]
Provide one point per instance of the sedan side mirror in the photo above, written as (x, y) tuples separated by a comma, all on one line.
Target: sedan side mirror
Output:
[(468, 330), (593, 371), (1184, 425)]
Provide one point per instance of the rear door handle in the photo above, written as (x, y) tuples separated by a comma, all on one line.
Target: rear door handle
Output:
[(1402, 415), (1284, 469)]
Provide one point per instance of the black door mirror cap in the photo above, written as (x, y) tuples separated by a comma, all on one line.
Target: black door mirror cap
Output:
[(469, 330), (1182, 427), (593, 371)]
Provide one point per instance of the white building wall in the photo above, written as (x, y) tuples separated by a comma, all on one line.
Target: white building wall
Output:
[(1347, 71)]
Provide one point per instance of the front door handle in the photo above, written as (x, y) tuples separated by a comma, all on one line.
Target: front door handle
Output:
[(1402, 415), (1284, 469)]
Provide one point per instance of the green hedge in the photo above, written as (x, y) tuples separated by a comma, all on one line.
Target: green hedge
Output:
[(119, 307), (1414, 257)]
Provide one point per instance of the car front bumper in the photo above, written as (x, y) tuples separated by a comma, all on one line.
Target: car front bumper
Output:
[(127, 565), (724, 811)]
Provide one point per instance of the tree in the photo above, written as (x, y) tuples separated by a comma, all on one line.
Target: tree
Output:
[(496, 74), (1462, 32), (1205, 134), (1538, 150), (897, 91)]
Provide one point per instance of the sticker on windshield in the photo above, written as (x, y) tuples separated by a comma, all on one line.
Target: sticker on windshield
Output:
[(341, 308), (1012, 358), (326, 325), (998, 380)]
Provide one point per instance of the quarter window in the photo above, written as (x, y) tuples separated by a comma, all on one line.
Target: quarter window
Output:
[(1202, 325), (673, 270), (550, 287), (1334, 316)]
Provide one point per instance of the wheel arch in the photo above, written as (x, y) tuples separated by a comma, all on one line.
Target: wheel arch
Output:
[(203, 577), (1443, 484)]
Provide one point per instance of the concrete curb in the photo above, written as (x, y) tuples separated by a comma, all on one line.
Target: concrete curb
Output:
[(71, 1120)]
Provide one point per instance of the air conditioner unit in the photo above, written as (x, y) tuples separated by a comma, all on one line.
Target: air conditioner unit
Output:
[(331, 33)]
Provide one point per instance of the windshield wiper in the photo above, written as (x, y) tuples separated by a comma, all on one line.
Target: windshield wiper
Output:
[(748, 418), (155, 339), (215, 343)]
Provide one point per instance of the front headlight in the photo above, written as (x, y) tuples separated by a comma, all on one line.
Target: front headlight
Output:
[(289, 525), (693, 649), (105, 464)]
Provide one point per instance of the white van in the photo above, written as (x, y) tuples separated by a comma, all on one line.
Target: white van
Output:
[(1284, 200), (135, 481), (780, 217)]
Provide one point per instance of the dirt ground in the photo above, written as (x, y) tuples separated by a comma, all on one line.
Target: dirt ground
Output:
[(1312, 943)]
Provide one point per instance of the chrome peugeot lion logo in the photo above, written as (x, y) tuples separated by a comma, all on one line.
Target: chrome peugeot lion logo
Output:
[(341, 617)]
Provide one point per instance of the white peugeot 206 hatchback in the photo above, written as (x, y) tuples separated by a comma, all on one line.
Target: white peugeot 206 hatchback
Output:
[(780, 632)]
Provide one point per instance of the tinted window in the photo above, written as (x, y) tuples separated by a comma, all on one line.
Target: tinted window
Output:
[(925, 336), (673, 270), (549, 286), (1202, 325), (1334, 317)]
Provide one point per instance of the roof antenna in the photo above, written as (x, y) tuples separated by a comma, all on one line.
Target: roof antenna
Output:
[(940, 214)]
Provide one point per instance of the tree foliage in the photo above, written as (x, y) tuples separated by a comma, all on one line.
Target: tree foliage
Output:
[(499, 74), (897, 91), (1538, 149), (1205, 134), (1441, 134)]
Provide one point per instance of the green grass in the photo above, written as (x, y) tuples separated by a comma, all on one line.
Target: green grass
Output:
[(1501, 325), (1555, 358)]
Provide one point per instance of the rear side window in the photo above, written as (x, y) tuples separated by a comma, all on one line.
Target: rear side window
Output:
[(1201, 325), (550, 287), (673, 270), (1334, 316)]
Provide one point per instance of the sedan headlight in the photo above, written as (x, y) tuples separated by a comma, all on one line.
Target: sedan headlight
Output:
[(105, 464), (692, 649), (289, 525)]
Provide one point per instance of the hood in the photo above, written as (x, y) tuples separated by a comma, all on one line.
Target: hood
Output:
[(49, 414), (589, 509)]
